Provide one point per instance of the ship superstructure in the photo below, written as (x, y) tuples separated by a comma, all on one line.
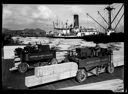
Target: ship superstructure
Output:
[(66, 30)]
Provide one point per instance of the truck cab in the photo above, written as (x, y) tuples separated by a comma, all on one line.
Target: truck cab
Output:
[(89, 58), (32, 56)]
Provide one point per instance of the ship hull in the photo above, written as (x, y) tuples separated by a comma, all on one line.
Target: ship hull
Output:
[(101, 38)]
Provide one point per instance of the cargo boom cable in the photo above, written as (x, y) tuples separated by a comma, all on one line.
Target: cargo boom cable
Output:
[(117, 13), (119, 21)]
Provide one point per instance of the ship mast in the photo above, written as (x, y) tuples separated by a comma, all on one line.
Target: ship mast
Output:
[(109, 9), (109, 17)]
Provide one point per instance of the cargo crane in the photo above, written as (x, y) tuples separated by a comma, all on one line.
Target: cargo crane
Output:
[(109, 30)]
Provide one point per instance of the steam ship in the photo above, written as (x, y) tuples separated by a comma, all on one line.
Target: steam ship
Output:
[(90, 34), (71, 31)]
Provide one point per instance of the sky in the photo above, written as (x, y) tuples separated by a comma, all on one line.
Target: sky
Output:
[(21, 16)]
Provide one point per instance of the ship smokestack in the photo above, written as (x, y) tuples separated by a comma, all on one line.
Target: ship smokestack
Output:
[(76, 21)]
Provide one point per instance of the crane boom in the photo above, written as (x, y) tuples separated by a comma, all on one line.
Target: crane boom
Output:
[(102, 17), (96, 21)]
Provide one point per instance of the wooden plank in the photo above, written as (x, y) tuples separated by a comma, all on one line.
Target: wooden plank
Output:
[(34, 80), (9, 51), (114, 85), (56, 68), (46, 74)]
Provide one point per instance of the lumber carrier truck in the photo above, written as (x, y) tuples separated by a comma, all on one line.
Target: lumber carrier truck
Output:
[(32, 56), (77, 63), (89, 58)]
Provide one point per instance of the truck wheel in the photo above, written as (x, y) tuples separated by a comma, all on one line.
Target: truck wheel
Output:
[(110, 68), (81, 75), (22, 68)]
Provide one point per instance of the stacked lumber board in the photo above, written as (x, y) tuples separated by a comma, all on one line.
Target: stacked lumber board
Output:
[(115, 85)]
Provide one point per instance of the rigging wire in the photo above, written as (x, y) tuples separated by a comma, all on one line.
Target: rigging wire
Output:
[(104, 13), (112, 16), (116, 5), (117, 19), (87, 22), (117, 13)]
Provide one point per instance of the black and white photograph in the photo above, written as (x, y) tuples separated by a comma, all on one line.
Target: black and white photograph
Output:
[(63, 47)]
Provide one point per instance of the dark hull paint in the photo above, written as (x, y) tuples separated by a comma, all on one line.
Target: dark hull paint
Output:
[(101, 38)]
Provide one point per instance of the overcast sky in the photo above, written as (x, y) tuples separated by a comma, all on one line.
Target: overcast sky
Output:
[(21, 16)]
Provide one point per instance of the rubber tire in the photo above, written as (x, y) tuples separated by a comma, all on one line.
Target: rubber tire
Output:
[(23, 67), (83, 73), (110, 68)]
